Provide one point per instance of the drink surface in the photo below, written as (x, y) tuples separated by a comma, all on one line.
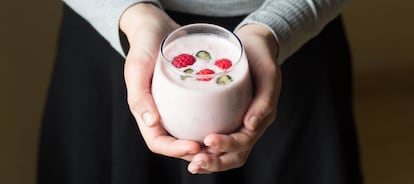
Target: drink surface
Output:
[(216, 48), (191, 108)]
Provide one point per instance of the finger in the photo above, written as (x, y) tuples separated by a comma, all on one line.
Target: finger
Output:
[(265, 73), (267, 83), (200, 164), (138, 71), (204, 163), (154, 134), (239, 141), (158, 141), (138, 74)]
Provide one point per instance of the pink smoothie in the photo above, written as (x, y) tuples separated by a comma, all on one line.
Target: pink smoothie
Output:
[(191, 108)]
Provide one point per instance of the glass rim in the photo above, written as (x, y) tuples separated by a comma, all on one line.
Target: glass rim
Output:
[(215, 75)]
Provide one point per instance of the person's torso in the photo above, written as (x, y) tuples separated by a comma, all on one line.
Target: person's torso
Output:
[(218, 8)]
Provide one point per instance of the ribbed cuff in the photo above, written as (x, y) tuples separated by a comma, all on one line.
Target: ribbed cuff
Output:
[(292, 23)]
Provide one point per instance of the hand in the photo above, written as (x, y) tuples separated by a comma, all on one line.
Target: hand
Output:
[(145, 25), (225, 152)]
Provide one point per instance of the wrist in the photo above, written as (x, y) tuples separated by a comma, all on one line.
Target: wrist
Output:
[(263, 32), (131, 17)]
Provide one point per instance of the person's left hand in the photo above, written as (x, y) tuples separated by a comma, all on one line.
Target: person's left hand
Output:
[(224, 152), (145, 25)]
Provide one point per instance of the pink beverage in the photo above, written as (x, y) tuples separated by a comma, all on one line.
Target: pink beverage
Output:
[(201, 83)]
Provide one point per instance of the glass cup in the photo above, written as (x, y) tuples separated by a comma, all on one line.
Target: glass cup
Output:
[(201, 82)]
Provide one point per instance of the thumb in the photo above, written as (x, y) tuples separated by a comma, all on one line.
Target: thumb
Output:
[(139, 66)]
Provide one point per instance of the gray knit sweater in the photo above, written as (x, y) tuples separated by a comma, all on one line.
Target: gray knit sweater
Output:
[(293, 22)]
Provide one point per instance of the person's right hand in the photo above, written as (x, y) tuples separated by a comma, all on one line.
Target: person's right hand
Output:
[(231, 151), (145, 25)]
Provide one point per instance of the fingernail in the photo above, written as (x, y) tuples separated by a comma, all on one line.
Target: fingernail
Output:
[(210, 144), (253, 122), (202, 164), (192, 169), (148, 118)]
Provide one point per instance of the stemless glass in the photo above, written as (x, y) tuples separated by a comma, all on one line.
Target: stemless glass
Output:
[(192, 102)]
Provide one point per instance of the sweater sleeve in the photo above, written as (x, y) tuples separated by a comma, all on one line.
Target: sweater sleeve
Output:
[(109, 12), (294, 22)]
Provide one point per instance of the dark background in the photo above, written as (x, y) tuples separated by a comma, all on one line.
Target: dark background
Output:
[(380, 33)]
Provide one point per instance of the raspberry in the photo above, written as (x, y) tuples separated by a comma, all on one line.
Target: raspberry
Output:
[(183, 60), (205, 72), (223, 63)]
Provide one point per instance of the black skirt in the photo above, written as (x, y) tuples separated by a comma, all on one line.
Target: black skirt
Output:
[(90, 137)]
